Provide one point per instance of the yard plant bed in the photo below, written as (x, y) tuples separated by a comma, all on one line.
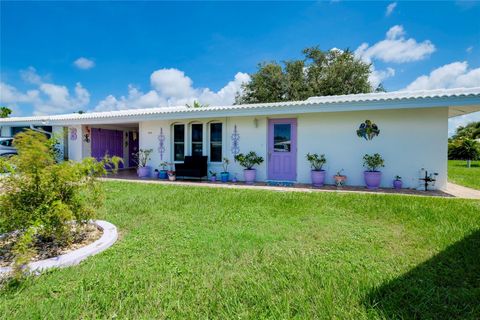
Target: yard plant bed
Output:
[(190, 252), (45, 248)]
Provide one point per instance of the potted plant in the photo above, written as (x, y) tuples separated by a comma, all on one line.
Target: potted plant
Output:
[(213, 176), (317, 174), (171, 173), (340, 179), (373, 176), (397, 183), (224, 176), (248, 161), (163, 174), (141, 158)]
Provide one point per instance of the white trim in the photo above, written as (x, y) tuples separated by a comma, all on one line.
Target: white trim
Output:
[(458, 100), (108, 238)]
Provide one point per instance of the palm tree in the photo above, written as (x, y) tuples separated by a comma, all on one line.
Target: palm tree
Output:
[(468, 149)]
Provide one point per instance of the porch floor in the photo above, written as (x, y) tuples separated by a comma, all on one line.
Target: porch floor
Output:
[(130, 175)]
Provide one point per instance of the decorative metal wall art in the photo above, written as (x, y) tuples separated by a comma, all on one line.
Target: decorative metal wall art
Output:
[(368, 130), (161, 144), (73, 134), (235, 142)]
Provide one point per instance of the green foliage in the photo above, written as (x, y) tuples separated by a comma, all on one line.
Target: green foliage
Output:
[(45, 196), (5, 112), (320, 73), (142, 157), (249, 160), (196, 104), (463, 149), (470, 131), (225, 163), (373, 162), (316, 161)]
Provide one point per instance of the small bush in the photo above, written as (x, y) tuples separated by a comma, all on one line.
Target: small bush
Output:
[(373, 162), (249, 160), (41, 197)]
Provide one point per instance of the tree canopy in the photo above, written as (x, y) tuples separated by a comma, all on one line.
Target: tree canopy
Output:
[(5, 112), (320, 73), (470, 131)]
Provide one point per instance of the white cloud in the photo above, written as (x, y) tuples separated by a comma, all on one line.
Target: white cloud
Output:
[(390, 8), (84, 63), (469, 49), (171, 87), (453, 75), (377, 76), (46, 98), (395, 48)]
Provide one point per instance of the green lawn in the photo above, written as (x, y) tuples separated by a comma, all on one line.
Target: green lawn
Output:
[(459, 173), (198, 253)]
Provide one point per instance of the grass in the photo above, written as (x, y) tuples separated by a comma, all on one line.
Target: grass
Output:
[(459, 173), (191, 252)]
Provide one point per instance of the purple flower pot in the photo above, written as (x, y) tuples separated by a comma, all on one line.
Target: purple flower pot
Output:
[(213, 178), (224, 176), (143, 172), (250, 175), (318, 178), (397, 184), (372, 179)]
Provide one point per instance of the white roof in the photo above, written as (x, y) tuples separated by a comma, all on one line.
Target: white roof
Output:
[(458, 100)]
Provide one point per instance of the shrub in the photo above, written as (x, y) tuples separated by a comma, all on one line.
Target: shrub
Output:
[(249, 160), (142, 157), (316, 161), (41, 197), (373, 162)]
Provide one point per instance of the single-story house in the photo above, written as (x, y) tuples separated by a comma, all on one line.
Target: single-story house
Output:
[(408, 128)]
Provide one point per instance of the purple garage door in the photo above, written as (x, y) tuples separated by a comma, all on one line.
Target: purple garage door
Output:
[(107, 142), (282, 149)]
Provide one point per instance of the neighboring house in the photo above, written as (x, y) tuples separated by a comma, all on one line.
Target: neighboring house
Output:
[(413, 133)]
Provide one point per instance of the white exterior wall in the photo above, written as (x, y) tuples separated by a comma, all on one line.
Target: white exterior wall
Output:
[(5, 131), (75, 147), (409, 140)]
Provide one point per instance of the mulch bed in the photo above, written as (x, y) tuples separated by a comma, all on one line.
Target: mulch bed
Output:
[(82, 236)]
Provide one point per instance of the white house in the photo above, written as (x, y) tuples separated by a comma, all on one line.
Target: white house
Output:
[(413, 132)]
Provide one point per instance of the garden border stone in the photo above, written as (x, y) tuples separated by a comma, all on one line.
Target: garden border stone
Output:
[(108, 238)]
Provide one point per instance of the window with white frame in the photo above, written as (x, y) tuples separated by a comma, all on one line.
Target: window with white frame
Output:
[(197, 139), (179, 142), (215, 142)]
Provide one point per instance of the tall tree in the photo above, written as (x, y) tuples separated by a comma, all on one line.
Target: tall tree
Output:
[(5, 112), (320, 73), (470, 131)]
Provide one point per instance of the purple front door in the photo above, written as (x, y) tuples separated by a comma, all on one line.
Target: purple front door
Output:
[(282, 149), (107, 142)]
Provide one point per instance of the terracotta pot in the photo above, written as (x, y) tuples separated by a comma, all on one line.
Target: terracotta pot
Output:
[(340, 181)]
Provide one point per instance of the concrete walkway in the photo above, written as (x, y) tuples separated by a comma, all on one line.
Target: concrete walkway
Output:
[(462, 192)]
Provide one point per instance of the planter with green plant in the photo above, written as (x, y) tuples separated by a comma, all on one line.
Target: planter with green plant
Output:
[(213, 176), (316, 163), (373, 177), (141, 158), (163, 174), (224, 175), (248, 161), (397, 183), (340, 179)]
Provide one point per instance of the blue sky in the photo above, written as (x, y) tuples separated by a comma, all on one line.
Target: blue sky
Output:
[(59, 57)]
